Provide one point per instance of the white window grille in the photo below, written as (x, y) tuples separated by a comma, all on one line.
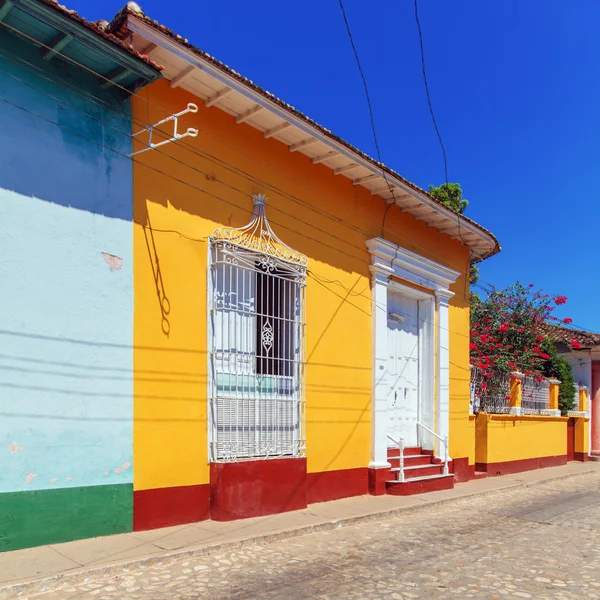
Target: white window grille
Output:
[(256, 302)]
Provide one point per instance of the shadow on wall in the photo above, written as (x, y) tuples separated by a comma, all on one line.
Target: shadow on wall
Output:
[(69, 145)]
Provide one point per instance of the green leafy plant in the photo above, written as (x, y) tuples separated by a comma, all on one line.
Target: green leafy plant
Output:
[(558, 367), (450, 194)]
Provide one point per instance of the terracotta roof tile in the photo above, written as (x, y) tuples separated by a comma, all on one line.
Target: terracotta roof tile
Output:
[(100, 29), (565, 335)]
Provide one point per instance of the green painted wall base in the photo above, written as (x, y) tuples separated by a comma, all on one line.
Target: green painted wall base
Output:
[(50, 516)]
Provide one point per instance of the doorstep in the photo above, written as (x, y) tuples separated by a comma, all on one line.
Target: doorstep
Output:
[(49, 567)]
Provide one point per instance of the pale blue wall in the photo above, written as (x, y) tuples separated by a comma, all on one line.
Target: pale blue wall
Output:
[(66, 318)]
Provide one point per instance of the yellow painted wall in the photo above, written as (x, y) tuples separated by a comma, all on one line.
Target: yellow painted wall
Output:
[(462, 430), (182, 192), (582, 435), (504, 438)]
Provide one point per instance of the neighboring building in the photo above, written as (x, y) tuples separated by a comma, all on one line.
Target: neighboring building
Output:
[(66, 324), (582, 350), (272, 362)]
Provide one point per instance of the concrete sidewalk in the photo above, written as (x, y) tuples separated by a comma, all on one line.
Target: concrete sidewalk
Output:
[(46, 567)]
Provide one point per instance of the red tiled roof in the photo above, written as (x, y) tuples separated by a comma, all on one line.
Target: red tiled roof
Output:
[(564, 335), (118, 26), (100, 29)]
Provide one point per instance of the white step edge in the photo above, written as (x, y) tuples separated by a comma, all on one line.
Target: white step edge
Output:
[(412, 456)]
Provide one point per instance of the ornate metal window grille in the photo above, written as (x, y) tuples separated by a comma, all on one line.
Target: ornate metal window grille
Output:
[(257, 326)]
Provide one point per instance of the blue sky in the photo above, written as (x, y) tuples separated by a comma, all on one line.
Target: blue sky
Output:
[(515, 91)]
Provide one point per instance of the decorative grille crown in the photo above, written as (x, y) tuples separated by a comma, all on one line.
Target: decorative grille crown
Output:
[(259, 236)]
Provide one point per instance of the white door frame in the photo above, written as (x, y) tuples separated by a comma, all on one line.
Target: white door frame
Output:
[(387, 260)]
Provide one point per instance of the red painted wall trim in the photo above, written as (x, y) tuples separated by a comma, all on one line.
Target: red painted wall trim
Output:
[(462, 470), (377, 479), (333, 485), (518, 466), (164, 507), (581, 456), (254, 488)]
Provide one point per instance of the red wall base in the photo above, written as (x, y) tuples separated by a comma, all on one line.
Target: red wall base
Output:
[(377, 479), (165, 507), (518, 466), (462, 470), (333, 485), (581, 456), (255, 488)]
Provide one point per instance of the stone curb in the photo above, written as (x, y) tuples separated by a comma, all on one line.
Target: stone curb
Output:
[(115, 569)]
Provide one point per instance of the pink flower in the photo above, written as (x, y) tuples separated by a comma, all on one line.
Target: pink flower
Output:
[(575, 344), (567, 321), (560, 300)]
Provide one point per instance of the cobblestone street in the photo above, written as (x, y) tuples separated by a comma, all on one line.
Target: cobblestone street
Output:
[(537, 542)]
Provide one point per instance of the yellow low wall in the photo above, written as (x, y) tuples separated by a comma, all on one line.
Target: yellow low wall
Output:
[(582, 438), (510, 444)]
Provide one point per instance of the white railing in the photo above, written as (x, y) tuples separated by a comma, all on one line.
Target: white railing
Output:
[(400, 444), (444, 441)]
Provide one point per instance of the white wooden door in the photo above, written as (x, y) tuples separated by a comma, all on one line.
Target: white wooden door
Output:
[(403, 368)]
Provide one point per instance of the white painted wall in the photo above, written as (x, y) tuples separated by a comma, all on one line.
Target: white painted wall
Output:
[(581, 361)]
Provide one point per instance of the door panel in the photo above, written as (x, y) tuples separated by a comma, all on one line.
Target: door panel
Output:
[(403, 368)]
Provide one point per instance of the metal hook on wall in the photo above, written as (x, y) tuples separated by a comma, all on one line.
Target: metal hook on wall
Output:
[(191, 132)]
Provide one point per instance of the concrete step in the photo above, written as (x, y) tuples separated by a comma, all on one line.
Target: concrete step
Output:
[(410, 451), (413, 472), (420, 485), (411, 461)]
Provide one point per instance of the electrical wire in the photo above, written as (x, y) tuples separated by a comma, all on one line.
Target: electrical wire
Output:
[(371, 115), (424, 71), (219, 139), (368, 233), (439, 135), (273, 187), (427, 250), (368, 297)]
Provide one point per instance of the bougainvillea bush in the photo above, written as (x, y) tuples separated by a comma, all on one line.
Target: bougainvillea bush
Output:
[(508, 330)]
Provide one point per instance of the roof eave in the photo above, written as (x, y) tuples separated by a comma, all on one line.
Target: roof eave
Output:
[(89, 34), (159, 35)]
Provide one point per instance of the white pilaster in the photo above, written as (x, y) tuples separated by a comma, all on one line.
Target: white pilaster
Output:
[(379, 283), (442, 298)]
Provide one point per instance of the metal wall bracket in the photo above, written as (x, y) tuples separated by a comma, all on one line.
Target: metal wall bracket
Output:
[(191, 132)]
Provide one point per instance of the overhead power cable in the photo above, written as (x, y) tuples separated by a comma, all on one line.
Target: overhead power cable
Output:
[(229, 167), (371, 116)]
